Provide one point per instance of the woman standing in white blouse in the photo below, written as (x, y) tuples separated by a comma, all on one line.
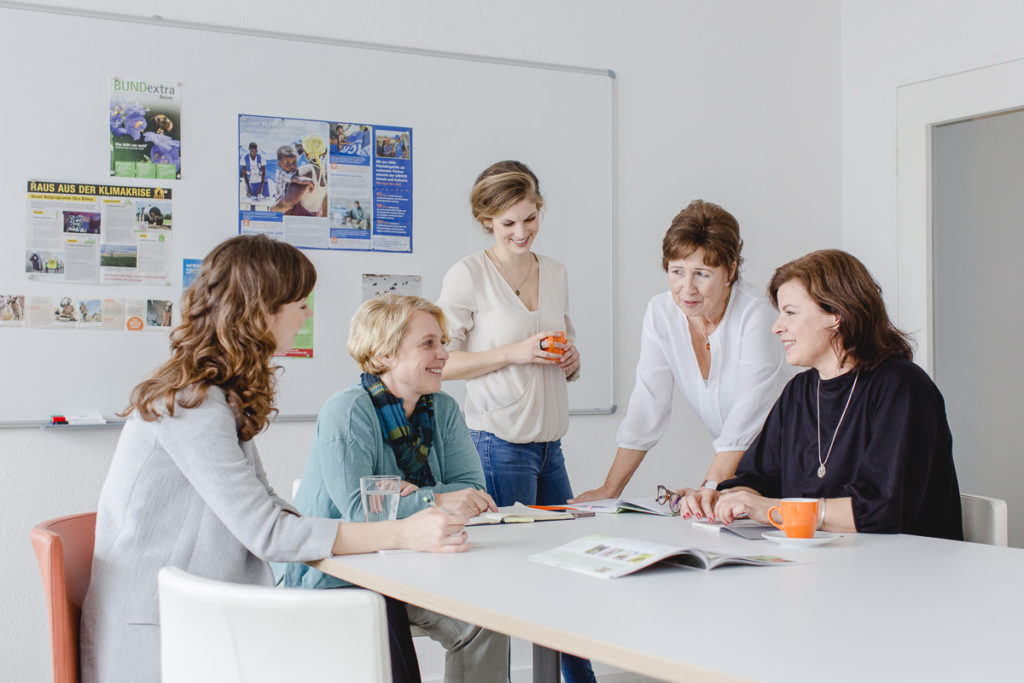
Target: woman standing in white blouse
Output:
[(501, 305), (710, 337)]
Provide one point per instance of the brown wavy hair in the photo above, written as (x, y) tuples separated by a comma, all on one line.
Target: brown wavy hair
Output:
[(225, 337), (843, 287), (501, 186), (707, 226)]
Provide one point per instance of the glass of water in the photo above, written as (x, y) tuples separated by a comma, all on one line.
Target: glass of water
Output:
[(380, 494)]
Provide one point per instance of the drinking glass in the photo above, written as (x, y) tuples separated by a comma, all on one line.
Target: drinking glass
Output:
[(380, 494)]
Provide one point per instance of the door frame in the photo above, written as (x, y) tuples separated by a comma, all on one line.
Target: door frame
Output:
[(920, 107)]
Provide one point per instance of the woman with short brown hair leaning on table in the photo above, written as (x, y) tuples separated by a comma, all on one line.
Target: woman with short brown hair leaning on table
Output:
[(707, 337)]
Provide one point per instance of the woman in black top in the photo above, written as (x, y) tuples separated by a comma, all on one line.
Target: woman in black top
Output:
[(864, 429)]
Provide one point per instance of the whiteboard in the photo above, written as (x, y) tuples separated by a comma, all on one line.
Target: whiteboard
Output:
[(465, 114)]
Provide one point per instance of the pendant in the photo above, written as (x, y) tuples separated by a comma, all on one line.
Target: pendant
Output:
[(708, 346), (821, 472), (517, 292)]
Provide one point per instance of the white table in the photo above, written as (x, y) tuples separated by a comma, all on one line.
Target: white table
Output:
[(862, 608)]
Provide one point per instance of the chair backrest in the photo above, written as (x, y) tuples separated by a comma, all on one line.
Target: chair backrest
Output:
[(984, 519), (211, 631), (64, 550)]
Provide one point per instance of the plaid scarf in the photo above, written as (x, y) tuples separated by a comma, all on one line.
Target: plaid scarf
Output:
[(410, 439)]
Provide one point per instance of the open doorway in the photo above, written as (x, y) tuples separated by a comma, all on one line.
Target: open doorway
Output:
[(961, 146), (978, 326)]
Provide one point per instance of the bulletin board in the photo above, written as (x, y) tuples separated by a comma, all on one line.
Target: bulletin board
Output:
[(465, 113)]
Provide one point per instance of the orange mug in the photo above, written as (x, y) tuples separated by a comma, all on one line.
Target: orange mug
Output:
[(799, 517), (551, 348)]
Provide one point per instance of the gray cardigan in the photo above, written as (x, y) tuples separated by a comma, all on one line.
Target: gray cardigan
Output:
[(181, 492)]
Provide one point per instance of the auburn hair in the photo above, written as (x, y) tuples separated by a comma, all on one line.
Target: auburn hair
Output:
[(225, 337), (841, 286), (707, 226)]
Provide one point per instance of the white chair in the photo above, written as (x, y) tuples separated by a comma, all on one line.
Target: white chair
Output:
[(416, 631), (984, 519), (212, 632)]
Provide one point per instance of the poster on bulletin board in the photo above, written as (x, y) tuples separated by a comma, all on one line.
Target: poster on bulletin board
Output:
[(326, 184), (145, 129)]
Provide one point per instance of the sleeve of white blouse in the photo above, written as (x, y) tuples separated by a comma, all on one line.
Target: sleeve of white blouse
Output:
[(762, 374), (650, 405), (570, 332), (458, 301)]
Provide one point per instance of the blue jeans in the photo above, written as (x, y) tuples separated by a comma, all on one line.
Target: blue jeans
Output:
[(532, 474)]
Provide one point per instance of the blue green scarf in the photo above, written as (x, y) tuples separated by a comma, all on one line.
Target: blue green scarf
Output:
[(411, 438)]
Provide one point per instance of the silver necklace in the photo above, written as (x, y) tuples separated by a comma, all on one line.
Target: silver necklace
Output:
[(707, 342), (522, 282), (821, 463)]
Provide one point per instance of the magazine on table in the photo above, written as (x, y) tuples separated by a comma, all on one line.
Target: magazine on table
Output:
[(611, 557), (612, 505)]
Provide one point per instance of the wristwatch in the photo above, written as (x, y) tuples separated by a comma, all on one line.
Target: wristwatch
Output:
[(710, 484)]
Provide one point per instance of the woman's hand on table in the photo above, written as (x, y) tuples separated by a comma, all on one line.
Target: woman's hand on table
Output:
[(467, 502), (529, 350), (737, 502), (600, 493), (698, 503), (434, 530)]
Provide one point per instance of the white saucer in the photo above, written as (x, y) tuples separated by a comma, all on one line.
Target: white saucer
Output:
[(782, 539)]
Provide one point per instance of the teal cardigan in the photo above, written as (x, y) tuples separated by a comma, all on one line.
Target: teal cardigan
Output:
[(349, 444)]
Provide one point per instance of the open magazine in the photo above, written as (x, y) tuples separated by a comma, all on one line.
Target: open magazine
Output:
[(612, 505), (513, 514), (611, 557)]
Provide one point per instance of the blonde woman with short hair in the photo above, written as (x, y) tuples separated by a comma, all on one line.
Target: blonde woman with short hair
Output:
[(396, 420)]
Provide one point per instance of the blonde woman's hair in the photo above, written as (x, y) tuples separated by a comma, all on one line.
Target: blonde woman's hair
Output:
[(500, 187), (381, 323), (225, 337)]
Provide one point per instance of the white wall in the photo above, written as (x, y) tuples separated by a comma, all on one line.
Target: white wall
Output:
[(736, 102), (887, 44)]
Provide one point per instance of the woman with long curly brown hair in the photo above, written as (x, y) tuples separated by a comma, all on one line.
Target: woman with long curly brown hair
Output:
[(186, 487)]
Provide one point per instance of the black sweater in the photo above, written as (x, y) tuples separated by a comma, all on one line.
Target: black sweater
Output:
[(893, 456)]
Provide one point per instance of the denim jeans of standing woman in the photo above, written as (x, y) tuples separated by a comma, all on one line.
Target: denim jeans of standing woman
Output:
[(532, 474)]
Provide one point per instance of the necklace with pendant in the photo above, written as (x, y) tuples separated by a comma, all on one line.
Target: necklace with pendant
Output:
[(529, 270), (707, 341), (821, 463)]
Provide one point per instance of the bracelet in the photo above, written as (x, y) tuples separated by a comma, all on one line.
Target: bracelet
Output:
[(821, 513)]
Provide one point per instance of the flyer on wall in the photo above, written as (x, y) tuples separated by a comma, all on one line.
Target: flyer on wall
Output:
[(302, 345), (78, 311), (326, 184), (145, 129), (379, 284), (106, 234)]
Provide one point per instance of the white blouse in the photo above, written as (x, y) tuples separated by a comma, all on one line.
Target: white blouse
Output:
[(747, 374), (521, 403)]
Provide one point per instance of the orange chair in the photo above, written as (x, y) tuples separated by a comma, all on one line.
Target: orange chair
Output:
[(64, 550)]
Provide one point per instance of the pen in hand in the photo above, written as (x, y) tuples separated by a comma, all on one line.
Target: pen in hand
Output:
[(428, 498)]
